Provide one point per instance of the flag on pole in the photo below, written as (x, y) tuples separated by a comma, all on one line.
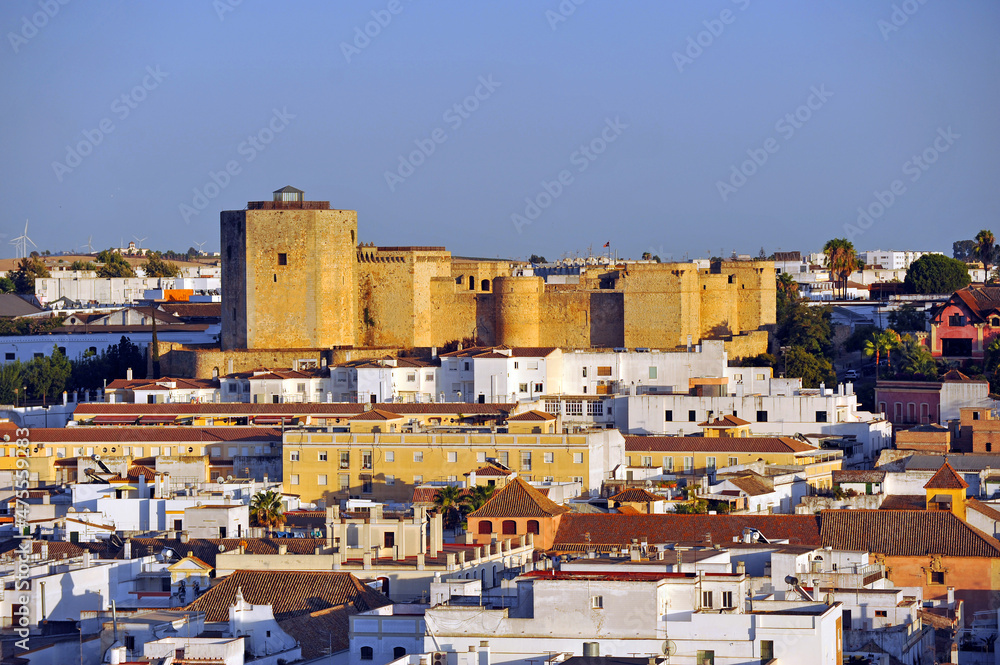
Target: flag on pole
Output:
[(607, 244)]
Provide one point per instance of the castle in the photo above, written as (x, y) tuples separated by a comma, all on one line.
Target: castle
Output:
[(294, 276)]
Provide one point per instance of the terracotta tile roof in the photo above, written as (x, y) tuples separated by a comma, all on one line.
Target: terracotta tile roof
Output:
[(141, 434), (205, 549), (905, 533), (158, 384), (289, 593), (239, 409), (317, 632), (377, 414), (722, 444), (492, 470), (725, 421), (904, 502), (635, 495), (425, 494), (619, 530), (983, 508), (954, 376), (858, 476), (533, 416), (519, 499), (946, 479), (753, 485), (184, 310), (57, 549), (138, 470)]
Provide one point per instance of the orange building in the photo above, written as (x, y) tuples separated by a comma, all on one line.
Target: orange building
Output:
[(517, 509)]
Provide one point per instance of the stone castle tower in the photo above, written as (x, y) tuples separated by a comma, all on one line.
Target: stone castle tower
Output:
[(288, 274)]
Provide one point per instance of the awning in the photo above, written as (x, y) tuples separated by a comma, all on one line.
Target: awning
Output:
[(273, 420), (152, 420)]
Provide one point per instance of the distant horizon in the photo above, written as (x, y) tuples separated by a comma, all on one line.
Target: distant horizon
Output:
[(526, 128)]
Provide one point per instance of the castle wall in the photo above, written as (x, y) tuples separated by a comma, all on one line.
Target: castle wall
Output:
[(234, 279), (385, 298), (564, 318), (661, 305), (719, 311), (518, 310), (756, 292)]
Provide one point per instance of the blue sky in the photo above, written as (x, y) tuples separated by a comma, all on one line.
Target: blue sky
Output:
[(684, 129)]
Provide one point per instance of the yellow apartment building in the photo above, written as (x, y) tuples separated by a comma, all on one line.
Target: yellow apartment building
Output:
[(387, 466), (698, 455)]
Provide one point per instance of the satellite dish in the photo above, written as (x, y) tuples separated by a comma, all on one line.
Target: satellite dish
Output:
[(229, 478), (220, 480), (222, 548), (649, 483), (669, 648)]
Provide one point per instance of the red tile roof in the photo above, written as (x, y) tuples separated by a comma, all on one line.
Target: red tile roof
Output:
[(532, 416), (946, 478), (619, 530), (289, 593), (152, 434), (753, 485), (519, 499), (426, 494), (725, 422), (635, 495), (377, 414), (905, 533), (722, 444), (240, 409), (904, 502), (983, 508)]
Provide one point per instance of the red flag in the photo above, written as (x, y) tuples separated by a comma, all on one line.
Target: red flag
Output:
[(607, 244)]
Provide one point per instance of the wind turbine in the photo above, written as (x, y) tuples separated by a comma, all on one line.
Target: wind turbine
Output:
[(21, 242), (89, 245), (200, 245), (138, 244)]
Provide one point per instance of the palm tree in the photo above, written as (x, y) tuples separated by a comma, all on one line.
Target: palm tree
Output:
[(266, 509), (984, 247), (476, 497), (841, 259), (446, 500), (882, 341), (787, 286)]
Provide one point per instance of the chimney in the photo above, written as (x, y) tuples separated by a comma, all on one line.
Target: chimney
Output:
[(128, 374), (127, 550), (282, 549), (184, 537)]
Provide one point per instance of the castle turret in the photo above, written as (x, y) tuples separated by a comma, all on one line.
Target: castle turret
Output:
[(517, 306)]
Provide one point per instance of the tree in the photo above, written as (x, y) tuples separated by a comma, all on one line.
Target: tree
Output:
[(813, 369), (908, 317), (535, 258), (266, 510), (89, 372), (7, 285), (115, 265), (882, 342), (916, 359), (476, 497), (841, 259), (28, 270), (446, 500), (83, 265), (936, 273), (155, 266), (963, 250), (984, 247), (786, 296), (809, 328), (10, 381)]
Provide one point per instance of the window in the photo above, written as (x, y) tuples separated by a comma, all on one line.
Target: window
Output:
[(481, 458), (522, 387), (975, 415), (762, 416), (294, 479), (452, 457), (727, 599), (585, 372), (418, 456), (597, 602), (300, 388), (322, 456), (345, 459), (366, 484), (710, 464), (343, 481), (503, 458), (595, 408), (232, 387), (688, 464), (321, 479), (604, 370), (399, 652), (390, 456), (733, 461), (577, 458), (282, 259), (411, 377), (366, 460), (956, 320), (692, 416), (8, 356), (367, 653), (882, 613), (652, 372), (538, 387), (574, 407), (647, 461), (466, 366), (418, 480), (578, 479), (547, 458), (390, 480), (821, 416), (526, 460), (668, 464), (668, 416), (767, 650), (937, 577), (706, 599), (552, 406)]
